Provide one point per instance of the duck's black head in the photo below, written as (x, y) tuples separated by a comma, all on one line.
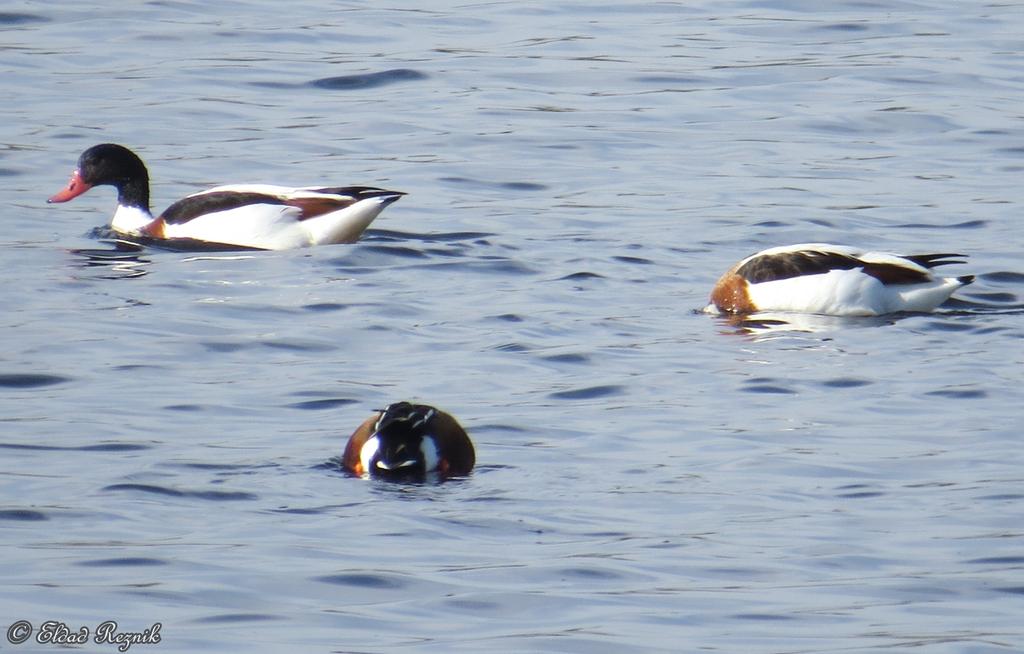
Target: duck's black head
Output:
[(113, 165)]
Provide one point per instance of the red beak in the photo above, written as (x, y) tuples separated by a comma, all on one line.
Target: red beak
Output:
[(74, 188)]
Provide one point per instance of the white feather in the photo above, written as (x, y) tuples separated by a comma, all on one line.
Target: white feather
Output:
[(344, 225), (431, 455), (130, 220), (277, 226), (368, 451), (837, 293), (267, 226)]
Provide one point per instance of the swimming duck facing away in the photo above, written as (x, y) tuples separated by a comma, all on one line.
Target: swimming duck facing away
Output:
[(260, 216), (403, 441), (834, 280)]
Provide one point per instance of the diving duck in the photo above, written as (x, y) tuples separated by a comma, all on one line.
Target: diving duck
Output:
[(835, 280), (404, 440)]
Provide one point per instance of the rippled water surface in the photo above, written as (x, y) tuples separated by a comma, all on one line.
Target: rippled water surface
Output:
[(650, 478)]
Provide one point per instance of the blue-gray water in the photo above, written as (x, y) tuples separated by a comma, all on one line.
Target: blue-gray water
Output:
[(650, 479)]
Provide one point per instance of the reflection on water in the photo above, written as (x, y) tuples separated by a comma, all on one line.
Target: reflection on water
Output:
[(768, 323), (123, 260)]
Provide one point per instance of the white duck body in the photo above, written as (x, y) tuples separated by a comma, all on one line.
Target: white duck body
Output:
[(834, 280), (265, 216)]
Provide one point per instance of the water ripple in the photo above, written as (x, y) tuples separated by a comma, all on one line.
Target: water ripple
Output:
[(504, 186), (237, 618), (121, 562), (766, 385), (588, 393), (368, 80), (959, 393), (30, 380), (846, 382), (1003, 276), (23, 515), (13, 18), (997, 560), (320, 405), (97, 447), (360, 580), (171, 492)]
